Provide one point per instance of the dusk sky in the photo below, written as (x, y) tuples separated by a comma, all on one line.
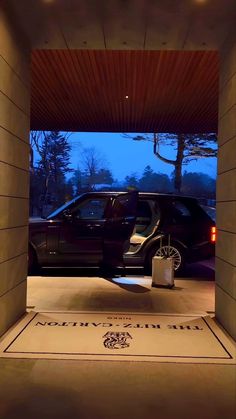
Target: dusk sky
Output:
[(125, 156)]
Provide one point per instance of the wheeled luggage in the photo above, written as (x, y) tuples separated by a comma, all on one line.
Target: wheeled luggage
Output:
[(162, 270)]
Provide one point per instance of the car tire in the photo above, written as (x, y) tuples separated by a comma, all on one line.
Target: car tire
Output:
[(32, 261), (175, 251)]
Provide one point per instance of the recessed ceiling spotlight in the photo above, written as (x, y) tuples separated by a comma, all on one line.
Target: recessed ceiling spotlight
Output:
[(126, 97)]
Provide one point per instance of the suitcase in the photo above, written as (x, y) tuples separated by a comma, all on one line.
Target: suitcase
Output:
[(162, 270)]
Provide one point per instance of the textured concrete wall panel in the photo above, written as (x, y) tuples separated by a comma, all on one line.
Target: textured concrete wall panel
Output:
[(14, 151), (14, 48), (226, 213), (226, 190), (226, 277), (227, 156), (14, 212), (11, 272), (228, 58), (15, 242), (226, 246), (12, 306), (226, 185), (227, 96), (227, 126), (12, 87), (13, 119), (226, 309), (14, 174), (13, 181)]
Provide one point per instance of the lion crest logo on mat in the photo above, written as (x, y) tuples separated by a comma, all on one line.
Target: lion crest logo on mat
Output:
[(116, 340)]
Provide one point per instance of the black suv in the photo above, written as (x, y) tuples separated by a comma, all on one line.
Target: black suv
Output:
[(116, 228)]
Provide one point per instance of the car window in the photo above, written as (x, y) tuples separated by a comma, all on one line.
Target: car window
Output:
[(148, 216), (144, 215), (91, 209), (181, 212), (181, 208), (211, 211), (144, 210), (123, 206), (60, 209)]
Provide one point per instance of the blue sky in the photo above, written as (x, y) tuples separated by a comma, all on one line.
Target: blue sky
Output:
[(125, 156)]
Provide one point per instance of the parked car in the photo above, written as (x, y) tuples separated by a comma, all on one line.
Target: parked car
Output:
[(108, 228)]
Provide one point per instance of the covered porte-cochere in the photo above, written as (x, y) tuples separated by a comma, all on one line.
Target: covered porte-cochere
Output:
[(60, 62)]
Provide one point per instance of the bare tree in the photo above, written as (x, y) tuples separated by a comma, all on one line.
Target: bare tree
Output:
[(36, 138), (92, 162)]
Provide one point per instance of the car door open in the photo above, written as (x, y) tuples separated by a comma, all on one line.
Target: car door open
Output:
[(119, 227)]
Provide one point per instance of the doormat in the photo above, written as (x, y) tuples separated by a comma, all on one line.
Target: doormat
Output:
[(119, 337)]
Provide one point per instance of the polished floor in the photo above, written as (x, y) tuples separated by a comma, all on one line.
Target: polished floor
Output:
[(39, 388)]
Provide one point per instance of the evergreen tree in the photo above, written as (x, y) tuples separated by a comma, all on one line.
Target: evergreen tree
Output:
[(154, 182), (131, 181), (199, 184), (104, 176), (48, 175)]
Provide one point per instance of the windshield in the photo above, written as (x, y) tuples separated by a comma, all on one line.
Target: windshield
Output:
[(60, 209)]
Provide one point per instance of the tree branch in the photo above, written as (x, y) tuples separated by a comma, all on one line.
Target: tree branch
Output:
[(156, 152)]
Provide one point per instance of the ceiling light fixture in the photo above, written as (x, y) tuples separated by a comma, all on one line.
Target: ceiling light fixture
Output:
[(126, 97)]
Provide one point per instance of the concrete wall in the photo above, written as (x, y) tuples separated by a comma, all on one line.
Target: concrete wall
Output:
[(226, 191), (14, 170)]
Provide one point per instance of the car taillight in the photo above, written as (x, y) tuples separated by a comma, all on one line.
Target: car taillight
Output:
[(213, 234)]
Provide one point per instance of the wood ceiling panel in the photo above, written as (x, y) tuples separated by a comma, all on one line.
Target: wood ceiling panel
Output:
[(84, 90)]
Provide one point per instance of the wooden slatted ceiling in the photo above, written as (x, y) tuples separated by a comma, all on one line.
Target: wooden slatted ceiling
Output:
[(84, 90)]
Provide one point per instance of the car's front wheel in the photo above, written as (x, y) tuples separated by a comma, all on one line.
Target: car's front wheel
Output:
[(174, 251)]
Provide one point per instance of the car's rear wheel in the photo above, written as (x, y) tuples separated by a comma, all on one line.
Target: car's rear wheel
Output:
[(174, 251)]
